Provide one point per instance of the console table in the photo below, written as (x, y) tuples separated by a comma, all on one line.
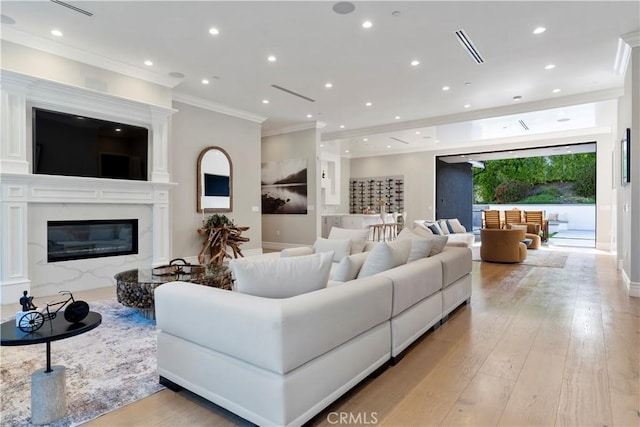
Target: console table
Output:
[(48, 384)]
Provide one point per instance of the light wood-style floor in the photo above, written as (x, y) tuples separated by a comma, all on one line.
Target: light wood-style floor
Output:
[(537, 346)]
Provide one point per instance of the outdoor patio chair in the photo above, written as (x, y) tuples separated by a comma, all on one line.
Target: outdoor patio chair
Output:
[(491, 219)]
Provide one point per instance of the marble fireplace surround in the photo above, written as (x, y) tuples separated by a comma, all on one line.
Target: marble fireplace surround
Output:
[(29, 200)]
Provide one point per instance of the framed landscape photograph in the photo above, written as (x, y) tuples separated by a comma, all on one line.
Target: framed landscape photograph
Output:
[(625, 156)]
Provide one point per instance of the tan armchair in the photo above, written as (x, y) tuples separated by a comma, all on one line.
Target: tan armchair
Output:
[(502, 245)]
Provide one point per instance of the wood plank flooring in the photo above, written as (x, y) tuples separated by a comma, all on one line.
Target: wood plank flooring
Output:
[(537, 346)]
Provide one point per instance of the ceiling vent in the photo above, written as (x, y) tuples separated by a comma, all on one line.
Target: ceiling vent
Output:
[(74, 8), (465, 41), (399, 140), (523, 124), (290, 92)]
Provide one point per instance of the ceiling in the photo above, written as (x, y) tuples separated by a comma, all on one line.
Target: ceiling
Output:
[(313, 45)]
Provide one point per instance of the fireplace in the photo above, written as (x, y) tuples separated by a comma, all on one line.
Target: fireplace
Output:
[(72, 240)]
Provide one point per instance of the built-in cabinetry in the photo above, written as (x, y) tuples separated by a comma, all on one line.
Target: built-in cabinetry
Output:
[(365, 194)]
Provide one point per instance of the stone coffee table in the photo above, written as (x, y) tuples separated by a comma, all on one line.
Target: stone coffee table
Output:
[(135, 287)]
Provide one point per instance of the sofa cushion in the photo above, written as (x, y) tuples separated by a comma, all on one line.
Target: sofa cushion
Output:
[(281, 277), (340, 247), (349, 267), (456, 226), (456, 263), (358, 237), (299, 251), (384, 256), (437, 242)]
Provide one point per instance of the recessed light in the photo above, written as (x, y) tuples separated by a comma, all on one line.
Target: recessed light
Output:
[(328, 85), (321, 145), (539, 30), (346, 151), (341, 126), (309, 116), (437, 140), (415, 63), (517, 98), (467, 105), (118, 130), (271, 58), (265, 101), (417, 132), (462, 155), (214, 31), (56, 33), (550, 67), (445, 88), (397, 117), (205, 81), (367, 24), (555, 90), (148, 63), (368, 104), (365, 139), (388, 146)]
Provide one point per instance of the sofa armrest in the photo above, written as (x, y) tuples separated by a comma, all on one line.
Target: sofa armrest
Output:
[(275, 334), (299, 251)]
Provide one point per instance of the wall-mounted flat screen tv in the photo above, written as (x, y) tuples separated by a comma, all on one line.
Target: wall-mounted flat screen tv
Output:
[(216, 185), (72, 145)]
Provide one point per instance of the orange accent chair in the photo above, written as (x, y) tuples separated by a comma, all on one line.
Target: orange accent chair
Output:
[(502, 245)]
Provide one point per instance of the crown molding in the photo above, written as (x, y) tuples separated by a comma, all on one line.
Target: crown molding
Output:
[(294, 128), (544, 104), (59, 49), (218, 108)]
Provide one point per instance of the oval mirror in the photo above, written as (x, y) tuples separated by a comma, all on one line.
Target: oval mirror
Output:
[(215, 181)]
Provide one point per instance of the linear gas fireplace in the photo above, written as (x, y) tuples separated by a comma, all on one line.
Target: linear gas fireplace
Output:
[(72, 240)]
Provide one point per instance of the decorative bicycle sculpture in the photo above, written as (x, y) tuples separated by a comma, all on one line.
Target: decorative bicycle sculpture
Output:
[(74, 312)]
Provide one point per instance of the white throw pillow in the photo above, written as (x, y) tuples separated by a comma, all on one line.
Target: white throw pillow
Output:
[(358, 237), (282, 277), (437, 242), (299, 251), (340, 247), (457, 227), (385, 256), (420, 246), (518, 227), (444, 227), (349, 267), (434, 227)]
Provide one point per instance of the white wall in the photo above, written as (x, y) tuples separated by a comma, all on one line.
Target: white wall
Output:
[(192, 130), (283, 230), (44, 65)]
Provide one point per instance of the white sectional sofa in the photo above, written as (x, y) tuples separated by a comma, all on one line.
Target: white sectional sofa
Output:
[(282, 361), (460, 237)]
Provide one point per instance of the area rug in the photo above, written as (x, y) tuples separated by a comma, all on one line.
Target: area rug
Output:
[(106, 368), (535, 258)]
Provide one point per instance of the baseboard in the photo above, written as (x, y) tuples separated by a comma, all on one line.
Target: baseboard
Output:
[(277, 246), (632, 287)]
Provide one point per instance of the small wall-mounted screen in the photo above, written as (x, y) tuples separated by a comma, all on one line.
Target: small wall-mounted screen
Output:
[(216, 185)]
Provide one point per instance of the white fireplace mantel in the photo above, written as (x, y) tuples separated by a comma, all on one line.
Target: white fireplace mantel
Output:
[(20, 189)]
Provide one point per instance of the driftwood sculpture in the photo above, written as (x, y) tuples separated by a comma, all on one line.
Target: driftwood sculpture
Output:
[(217, 239)]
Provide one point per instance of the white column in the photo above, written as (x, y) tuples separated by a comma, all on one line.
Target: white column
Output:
[(161, 231), (159, 147), (13, 155), (13, 253)]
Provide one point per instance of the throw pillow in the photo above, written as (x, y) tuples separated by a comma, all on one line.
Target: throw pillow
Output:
[(517, 227), (385, 256), (358, 237), (420, 246), (340, 247), (349, 267), (434, 227), (302, 250), (437, 242), (443, 226), (456, 226), (448, 226), (281, 277)]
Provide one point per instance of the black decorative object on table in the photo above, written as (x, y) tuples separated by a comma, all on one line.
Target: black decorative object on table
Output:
[(73, 313), (27, 302)]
